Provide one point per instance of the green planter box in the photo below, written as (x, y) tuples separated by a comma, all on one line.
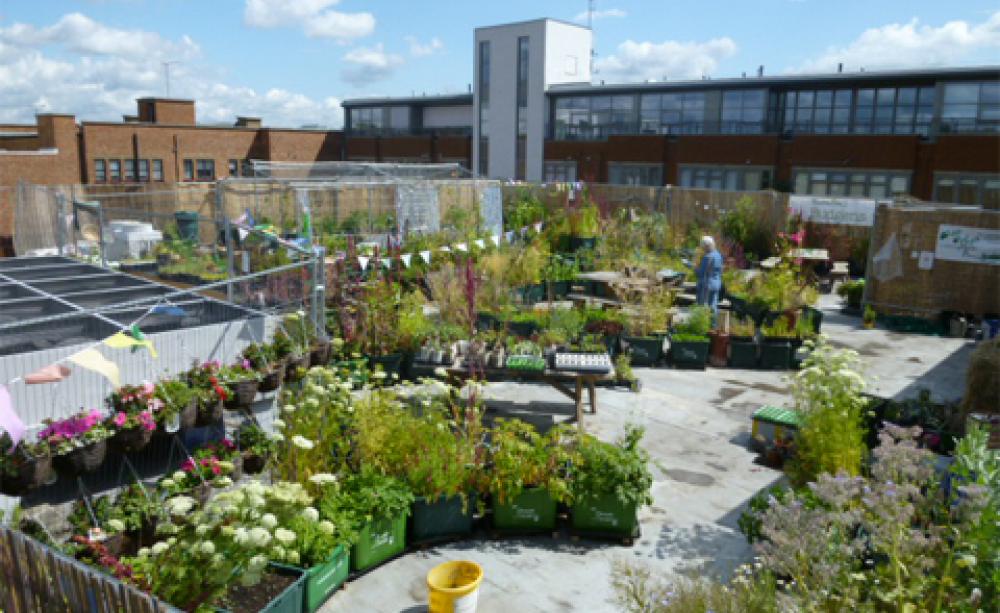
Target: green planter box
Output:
[(380, 540), (440, 519), (578, 242), (742, 352), (326, 578), (689, 354), (291, 600), (604, 514), (645, 350), (776, 354), (355, 369), (391, 364), (533, 509)]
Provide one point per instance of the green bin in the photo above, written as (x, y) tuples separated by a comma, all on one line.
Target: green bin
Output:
[(379, 540), (445, 517), (776, 354), (742, 352), (326, 578), (604, 514), (533, 509), (187, 225)]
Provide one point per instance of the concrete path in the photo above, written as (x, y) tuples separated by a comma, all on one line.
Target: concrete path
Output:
[(697, 425)]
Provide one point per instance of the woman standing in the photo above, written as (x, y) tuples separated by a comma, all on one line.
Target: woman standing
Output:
[(710, 276)]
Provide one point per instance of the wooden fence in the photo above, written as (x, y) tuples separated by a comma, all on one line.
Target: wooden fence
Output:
[(36, 578)]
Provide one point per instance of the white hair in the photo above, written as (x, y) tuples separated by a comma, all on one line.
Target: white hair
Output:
[(708, 242)]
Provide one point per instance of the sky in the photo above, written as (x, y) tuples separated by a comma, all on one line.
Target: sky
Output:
[(292, 62)]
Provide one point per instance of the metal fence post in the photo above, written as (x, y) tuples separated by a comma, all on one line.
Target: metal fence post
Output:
[(60, 222), (319, 291), (220, 210), (100, 233)]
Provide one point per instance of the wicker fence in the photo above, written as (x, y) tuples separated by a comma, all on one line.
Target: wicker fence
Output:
[(37, 578)]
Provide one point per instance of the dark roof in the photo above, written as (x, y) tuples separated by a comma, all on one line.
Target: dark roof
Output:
[(437, 100), (922, 74)]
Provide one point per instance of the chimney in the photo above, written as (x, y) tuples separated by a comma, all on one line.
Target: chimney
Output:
[(166, 111), (248, 122), (760, 70)]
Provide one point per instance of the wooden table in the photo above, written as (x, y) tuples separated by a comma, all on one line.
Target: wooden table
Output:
[(558, 379)]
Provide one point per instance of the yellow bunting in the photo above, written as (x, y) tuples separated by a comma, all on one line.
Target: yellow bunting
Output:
[(91, 359), (120, 340)]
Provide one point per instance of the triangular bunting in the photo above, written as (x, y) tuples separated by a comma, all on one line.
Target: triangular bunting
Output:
[(462, 247), (387, 263), (426, 256), (496, 239), (363, 261), (480, 243), (446, 249), (53, 373), (91, 359), (405, 258), (9, 421), (538, 226), (509, 235)]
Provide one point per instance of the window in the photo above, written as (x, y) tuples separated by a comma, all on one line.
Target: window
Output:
[(727, 178), (100, 171), (144, 170), (971, 189), (484, 107), (743, 111), (189, 170), (878, 184), (367, 121), (206, 170), (234, 168), (678, 113), (520, 162), (824, 111), (130, 171), (971, 107), (635, 174), (115, 171), (247, 168), (559, 172), (157, 170)]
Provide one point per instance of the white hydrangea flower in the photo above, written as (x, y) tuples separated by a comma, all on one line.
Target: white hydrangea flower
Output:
[(257, 562), (115, 525), (277, 552), (179, 475), (302, 442), (159, 548), (312, 403), (284, 536), (228, 531), (326, 527), (202, 530), (207, 548), (259, 537), (241, 536), (323, 478), (180, 505), (289, 408), (277, 436), (277, 423), (143, 552), (292, 557), (269, 521), (167, 483), (310, 513)]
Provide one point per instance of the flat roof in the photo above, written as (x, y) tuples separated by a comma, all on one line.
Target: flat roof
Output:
[(434, 100), (527, 21)]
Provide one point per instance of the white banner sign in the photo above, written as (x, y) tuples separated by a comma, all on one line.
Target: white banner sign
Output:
[(834, 211), (965, 244)]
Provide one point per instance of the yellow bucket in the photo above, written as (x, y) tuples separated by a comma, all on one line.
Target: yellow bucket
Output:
[(454, 587)]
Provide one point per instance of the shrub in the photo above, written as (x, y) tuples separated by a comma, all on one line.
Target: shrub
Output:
[(621, 469)]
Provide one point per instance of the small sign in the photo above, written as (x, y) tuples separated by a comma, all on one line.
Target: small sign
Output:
[(926, 261)]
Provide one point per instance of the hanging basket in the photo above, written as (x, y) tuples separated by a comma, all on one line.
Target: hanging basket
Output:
[(189, 414), (319, 355), (296, 367), (253, 463), (131, 439), (243, 394), (209, 412), (82, 460), (272, 378), (32, 473)]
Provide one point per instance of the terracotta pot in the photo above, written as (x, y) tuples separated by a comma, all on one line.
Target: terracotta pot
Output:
[(718, 355)]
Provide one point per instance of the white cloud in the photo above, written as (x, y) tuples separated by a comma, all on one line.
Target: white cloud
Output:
[(603, 14), (419, 49), (315, 18), (639, 61), (80, 66), (913, 44), (369, 64)]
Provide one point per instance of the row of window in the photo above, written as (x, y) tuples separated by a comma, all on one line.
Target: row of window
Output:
[(973, 189), (964, 107), (127, 171), (876, 184), (728, 178)]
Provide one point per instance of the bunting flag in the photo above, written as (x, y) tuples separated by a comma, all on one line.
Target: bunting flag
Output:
[(91, 359), (363, 261), (446, 249), (171, 310), (538, 226), (462, 247), (406, 259), (120, 340), (387, 263), (53, 373), (480, 243), (496, 239), (426, 256), (9, 421), (524, 231), (509, 235)]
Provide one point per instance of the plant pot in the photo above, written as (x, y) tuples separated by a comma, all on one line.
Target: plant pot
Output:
[(742, 352), (577, 243), (558, 289), (324, 579), (189, 414), (243, 394), (296, 367), (379, 540), (689, 354), (290, 600), (523, 329), (531, 510), (391, 364), (718, 352), (816, 317), (486, 321), (645, 350), (209, 412), (442, 518), (202, 492), (271, 379), (162, 259), (253, 463), (533, 293), (32, 473), (604, 514), (131, 439), (82, 460), (319, 354), (775, 354)]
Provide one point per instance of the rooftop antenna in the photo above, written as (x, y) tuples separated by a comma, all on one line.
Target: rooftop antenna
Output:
[(590, 26), (166, 74)]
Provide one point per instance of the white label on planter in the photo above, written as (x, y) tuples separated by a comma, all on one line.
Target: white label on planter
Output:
[(526, 513), (382, 538), (604, 517)]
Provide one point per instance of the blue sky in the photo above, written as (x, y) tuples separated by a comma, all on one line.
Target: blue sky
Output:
[(293, 61)]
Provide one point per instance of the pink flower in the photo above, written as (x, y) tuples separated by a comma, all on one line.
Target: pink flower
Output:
[(246, 364), (120, 419), (228, 444), (148, 388)]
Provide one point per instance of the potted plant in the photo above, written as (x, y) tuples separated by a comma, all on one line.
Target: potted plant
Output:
[(559, 273), (179, 405), (24, 467), (211, 467), (256, 446), (870, 317), (291, 352), (78, 443), (91, 519), (264, 358), (132, 418), (852, 292), (743, 343), (526, 475), (243, 380), (689, 341), (624, 375), (210, 390), (380, 341), (642, 331), (377, 506), (608, 323), (324, 556), (135, 512), (584, 225), (526, 356), (523, 324), (776, 345), (610, 481)]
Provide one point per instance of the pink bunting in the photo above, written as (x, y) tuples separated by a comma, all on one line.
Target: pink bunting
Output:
[(9, 420), (53, 373)]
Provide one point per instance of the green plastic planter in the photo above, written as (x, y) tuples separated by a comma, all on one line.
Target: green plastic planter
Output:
[(326, 578), (355, 369), (187, 225), (579, 242), (689, 354), (290, 600), (604, 514), (440, 519), (532, 510), (391, 363), (742, 352), (645, 350), (379, 540), (775, 354)]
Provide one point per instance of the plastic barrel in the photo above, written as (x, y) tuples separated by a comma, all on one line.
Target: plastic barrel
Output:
[(454, 587), (187, 225)]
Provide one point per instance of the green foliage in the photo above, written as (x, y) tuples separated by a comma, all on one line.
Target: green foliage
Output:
[(779, 328), (697, 326), (527, 210), (852, 292), (520, 458), (413, 327), (638, 590), (743, 326), (585, 221), (135, 507), (255, 440), (870, 315), (745, 226), (366, 496), (621, 469), (567, 323)]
